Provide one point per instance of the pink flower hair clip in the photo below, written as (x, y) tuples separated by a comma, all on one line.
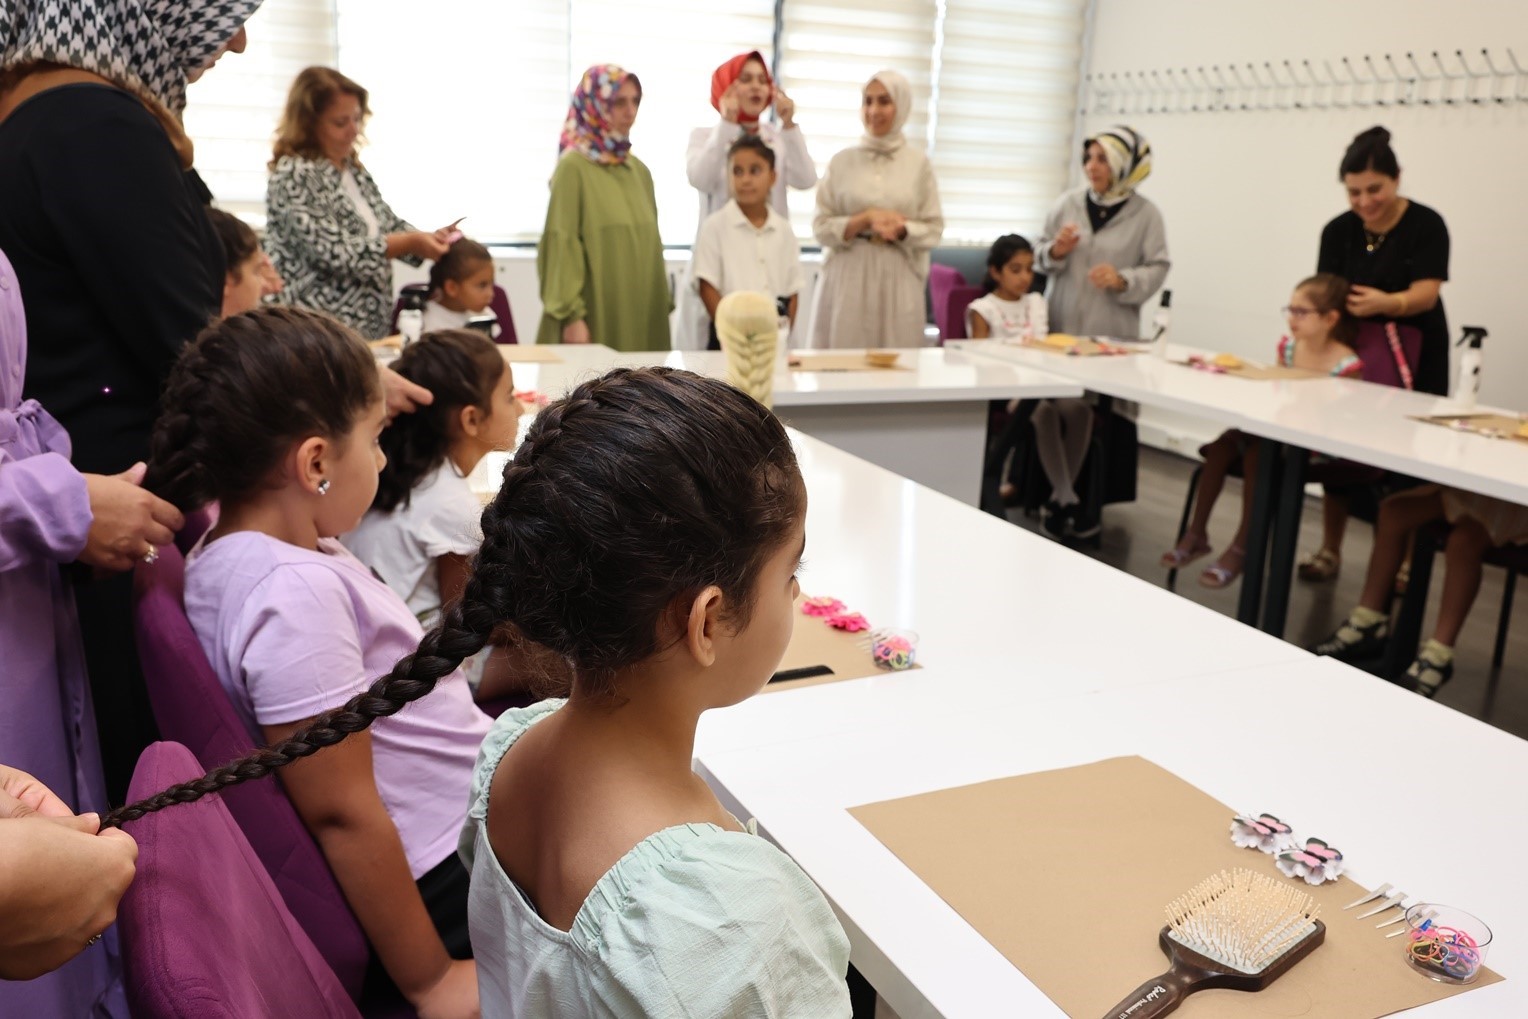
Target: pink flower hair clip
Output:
[(850, 622), (1264, 833), (822, 607), (1317, 863)]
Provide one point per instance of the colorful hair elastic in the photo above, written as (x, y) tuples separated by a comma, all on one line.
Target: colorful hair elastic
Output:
[(892, 650), (1445, 950)]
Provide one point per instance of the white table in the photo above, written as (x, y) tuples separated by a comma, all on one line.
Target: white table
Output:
[(1342, 418), (928, 423), (1390, 820), (1006, 617)]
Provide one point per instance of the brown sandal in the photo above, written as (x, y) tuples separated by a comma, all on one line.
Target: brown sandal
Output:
[(1320, 566)]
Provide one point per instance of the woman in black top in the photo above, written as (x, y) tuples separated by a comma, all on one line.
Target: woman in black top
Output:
[(105, 224), (1395, 253)]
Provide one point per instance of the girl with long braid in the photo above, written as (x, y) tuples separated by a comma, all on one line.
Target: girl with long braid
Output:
[(643, 549), (275, 414)]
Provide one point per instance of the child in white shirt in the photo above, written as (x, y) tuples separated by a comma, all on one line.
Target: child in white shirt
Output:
[(461, 286), (422, 527), (746, 244), (1007, 310)]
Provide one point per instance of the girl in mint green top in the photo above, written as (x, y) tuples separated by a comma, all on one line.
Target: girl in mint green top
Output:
[(600, 259), (643, 551)]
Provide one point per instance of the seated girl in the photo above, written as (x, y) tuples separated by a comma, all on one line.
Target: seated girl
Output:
[(644, 546), (461, 286), (1480, 524), (1007, 310), (1320, 331), (276, 414), (423, 523)]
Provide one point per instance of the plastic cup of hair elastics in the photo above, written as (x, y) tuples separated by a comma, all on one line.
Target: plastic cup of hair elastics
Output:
[(894, 649), (1445, 944)]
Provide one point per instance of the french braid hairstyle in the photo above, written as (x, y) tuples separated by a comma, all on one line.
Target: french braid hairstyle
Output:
[(627, 498), (461, 368), (464, 257), (246, 389)]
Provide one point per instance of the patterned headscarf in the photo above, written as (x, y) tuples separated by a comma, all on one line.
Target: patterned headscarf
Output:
[(147, 47), (723, 77), (1129, 156), (901, 92), (587, 128)]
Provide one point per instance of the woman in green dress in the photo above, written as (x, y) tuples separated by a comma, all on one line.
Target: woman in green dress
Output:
[(600, 259)]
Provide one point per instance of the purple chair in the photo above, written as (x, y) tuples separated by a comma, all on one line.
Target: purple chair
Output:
[(204, 931), (192, 708)]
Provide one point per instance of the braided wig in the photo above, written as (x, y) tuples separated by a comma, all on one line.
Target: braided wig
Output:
[(627, 498), (460, 368)]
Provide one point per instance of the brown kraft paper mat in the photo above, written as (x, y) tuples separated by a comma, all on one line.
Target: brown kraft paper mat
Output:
[(1084, 347), (1066, 873), (840, 363), (529, 353), (1488, 425), (1261, 372), (815, 643)]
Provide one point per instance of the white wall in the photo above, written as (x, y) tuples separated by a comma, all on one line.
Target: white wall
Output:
[(1245, 194)]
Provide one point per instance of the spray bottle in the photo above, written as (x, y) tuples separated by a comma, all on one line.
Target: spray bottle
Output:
[(1467, 389), (411, 314), (1160, 320)]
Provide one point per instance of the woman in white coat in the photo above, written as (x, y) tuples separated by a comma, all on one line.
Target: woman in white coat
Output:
[(878, 216), (741, 91)]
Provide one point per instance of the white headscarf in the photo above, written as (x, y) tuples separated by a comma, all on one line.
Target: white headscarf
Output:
[(902, 98), (1128, 154)]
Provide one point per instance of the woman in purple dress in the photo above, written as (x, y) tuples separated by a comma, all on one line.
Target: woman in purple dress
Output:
[(50, 515)]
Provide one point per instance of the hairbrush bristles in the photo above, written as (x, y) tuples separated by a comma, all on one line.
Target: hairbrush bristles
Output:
[(1242, 919)]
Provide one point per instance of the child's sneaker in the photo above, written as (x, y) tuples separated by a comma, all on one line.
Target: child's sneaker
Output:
[(1354, 641)]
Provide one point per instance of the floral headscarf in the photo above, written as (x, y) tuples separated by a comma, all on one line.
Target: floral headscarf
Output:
[(147, 47), (587, 128), (1129, 156), (723, 77)]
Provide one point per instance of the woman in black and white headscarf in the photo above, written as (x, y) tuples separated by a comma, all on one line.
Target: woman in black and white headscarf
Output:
[(107, 229)]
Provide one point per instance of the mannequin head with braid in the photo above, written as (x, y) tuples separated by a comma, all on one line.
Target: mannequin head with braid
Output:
[(646, 513)]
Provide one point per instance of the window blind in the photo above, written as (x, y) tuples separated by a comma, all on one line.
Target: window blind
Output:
[(232, 112)]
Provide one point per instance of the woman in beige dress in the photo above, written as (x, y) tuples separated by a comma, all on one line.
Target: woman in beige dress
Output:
[(878, 216)]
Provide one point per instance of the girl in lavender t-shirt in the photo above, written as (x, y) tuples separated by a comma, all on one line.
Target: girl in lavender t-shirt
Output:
[(275, 413)]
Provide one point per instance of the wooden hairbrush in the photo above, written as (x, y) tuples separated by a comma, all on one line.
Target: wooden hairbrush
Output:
[(1237, 930)]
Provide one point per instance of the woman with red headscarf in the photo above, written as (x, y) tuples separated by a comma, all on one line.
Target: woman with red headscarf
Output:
[(741, 91)]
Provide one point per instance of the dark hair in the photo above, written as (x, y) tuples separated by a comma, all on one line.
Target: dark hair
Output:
[(1329, 292), (460, 259), (244, 390), (238, 237), (1002, 252), (752, 143), (460, 367), (1370, 151), (633, 493)]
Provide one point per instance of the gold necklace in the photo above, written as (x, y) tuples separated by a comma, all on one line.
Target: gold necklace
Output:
[(1373, 241)]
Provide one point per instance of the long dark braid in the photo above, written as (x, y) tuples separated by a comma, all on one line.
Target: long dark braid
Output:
[(640, 487)]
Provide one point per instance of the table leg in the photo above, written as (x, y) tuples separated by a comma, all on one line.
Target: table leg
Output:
[(1249, 608), (1286, 539)]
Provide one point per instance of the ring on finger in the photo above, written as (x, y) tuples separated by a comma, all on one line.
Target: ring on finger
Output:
[(151, 556)]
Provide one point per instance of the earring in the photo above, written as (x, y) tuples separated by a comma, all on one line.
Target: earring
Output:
[(323, 487)]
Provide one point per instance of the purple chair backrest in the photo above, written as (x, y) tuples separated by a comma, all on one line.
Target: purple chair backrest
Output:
[(1377, 345), (204, 931), (500, 307), (955, 312), (942, 281), (192, 708)]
